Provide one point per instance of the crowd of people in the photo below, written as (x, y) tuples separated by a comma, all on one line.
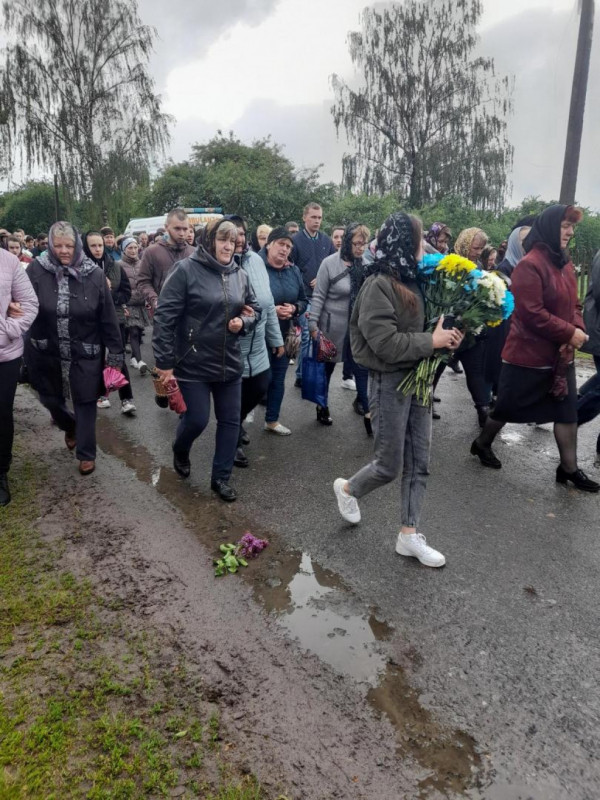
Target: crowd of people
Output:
[(228, 311)]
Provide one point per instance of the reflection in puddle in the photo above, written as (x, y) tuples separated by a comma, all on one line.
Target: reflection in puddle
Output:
[(318, 609), (511, 437), (321, 615)]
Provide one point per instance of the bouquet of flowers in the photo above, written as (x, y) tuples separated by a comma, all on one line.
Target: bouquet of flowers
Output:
[(471, 299)]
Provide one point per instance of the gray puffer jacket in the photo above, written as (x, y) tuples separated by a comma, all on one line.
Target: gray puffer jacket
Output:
[(195, 306)]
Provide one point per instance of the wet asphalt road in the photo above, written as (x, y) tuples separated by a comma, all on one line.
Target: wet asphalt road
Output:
[(503, 641)]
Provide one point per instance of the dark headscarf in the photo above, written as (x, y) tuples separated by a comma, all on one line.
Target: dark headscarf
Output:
[(80, 264), (86, 248), (395, 253), (356, 266), (546, 230)]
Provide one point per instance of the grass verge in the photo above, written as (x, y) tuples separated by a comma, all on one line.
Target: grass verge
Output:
[(92, 706)]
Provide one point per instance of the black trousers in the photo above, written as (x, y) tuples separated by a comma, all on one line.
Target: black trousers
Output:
[(254, 389), (9, 375), (82, 423)]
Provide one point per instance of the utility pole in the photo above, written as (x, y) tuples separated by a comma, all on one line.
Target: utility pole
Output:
[(578, 92)]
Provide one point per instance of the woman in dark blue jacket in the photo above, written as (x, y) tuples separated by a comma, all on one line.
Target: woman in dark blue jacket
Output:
[(205, 304), (287, 288)]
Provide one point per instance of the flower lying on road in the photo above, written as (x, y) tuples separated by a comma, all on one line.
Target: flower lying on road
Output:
[(235, 555)]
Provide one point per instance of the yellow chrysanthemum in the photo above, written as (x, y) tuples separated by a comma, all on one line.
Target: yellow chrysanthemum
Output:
[(453, 263), (494, 324)]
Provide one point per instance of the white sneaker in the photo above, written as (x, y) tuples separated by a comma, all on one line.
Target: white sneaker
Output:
[(103, 402), (292, 362), (143, 367), (347, 504), (279, 429), (128, 407), (415, 545), (349, 383), (133, 362)]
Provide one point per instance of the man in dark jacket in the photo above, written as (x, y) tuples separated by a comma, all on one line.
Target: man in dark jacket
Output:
[(159, 258), (310, 248)]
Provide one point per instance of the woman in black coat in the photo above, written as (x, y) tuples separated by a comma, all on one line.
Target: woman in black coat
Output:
[(204, 306), (76, 323)]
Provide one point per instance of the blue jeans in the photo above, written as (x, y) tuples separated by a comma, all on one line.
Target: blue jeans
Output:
[(276, 388), (304, 342), (588, 404), (227, 399), (402, 443)]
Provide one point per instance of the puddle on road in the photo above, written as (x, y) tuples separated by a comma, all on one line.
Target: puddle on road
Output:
[(317, 608)]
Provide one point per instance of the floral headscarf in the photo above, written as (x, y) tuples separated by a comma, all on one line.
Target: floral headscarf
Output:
[(395, 254), (464, 240)]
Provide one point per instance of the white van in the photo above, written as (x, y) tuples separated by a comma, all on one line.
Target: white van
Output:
[(197, 216)]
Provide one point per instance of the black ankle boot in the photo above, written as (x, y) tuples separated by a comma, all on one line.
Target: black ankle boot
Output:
[(224, 490), (358, 407), (323, 415), (241, 459), (486, 455), (578, 478), (181, 464), (368, 426), (4, 490)]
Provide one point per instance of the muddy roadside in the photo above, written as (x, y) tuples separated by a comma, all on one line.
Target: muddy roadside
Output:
[(142, 538)]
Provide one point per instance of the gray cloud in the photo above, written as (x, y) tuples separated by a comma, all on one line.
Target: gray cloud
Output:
[(187, 28), (536, 46), (539, 49)]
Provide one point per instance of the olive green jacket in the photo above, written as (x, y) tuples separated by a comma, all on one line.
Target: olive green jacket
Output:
[(386, 335)]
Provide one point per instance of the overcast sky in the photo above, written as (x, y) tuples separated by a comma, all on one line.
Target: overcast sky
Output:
[(261, 67)]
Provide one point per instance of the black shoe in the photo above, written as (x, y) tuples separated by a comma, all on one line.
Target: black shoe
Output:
[(241, 459), (482, 414), (437, 399), (435, 415), (368, 426), (486, 455), (244, 438), (4, 490), (358, 407), (323, 415), (455, 367), (224, 490), (578, 478), (181, 464), (298, 383)]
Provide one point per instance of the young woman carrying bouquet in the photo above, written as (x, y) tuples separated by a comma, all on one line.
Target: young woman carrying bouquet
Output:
[(387, 336)]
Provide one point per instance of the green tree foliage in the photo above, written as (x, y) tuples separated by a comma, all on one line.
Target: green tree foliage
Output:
[(256, 181), (428, 120), (30, 207), (76, 98)]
